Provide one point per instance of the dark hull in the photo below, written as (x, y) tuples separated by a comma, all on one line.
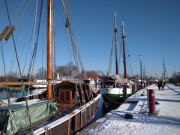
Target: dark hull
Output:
[(111, 102)]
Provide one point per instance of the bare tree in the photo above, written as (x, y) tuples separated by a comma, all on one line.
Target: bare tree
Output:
[(91, 73), (175, 79), (41, 73), (100, 73), (61, 70), (12, 76), (2, 79), (71, 69)]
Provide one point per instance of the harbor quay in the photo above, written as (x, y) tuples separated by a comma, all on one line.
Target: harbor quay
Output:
[(133, 117)]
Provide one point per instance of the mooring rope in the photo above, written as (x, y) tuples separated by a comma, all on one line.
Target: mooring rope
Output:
[(111, 100), (8, 91)]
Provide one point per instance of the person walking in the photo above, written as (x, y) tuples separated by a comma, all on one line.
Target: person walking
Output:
[(159, 84), (162, 85)]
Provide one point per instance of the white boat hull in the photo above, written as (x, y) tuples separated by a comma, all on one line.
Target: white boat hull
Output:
[(115, 91)]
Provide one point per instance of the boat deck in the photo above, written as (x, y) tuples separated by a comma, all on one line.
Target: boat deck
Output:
[(63, 107)]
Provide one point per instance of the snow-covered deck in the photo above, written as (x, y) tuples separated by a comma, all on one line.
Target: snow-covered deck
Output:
[(165, 122)]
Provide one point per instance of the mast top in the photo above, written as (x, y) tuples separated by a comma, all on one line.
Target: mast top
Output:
[(123, 35), (115, 29)]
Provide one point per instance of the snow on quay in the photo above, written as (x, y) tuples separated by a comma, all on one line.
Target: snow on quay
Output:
[(165, 122)]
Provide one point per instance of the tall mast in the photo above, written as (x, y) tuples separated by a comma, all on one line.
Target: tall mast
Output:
[(124, 55), (115, 32), (49, 51), (164, 70)]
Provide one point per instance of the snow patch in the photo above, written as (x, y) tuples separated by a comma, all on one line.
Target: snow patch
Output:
[(167, 121)]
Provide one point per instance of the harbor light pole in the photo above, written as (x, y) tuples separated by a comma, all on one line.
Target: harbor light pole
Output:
[(140, 68)]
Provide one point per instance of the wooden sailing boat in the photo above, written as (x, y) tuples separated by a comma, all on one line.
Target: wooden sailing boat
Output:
[(74, 105), (112, 87)]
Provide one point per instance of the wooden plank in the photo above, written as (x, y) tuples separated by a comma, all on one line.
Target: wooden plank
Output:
[(20, 83), (89, 111), (68, 126), (75, 126), (78, 120), (26, 83), (83, 117), (87, 114), (61, 129)]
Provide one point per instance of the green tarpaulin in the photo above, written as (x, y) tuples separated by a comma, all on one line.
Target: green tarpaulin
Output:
[(39, 109)]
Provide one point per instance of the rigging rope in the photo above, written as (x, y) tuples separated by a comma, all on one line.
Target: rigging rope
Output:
[(76, 61), (9, 102), (75, 48), (111, 54), (34, 32), (13, 18), (131, 65), (33, 57), (13, 40), (13, 58), (42, 48), (28, 51), (27, 108), (24, 38), (18, 10), (22, 14), (29, 47), (32, 62), (68, 44), (19, 18), (74, 45)]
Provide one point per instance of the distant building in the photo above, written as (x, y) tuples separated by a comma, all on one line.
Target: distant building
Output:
[(95, 80)]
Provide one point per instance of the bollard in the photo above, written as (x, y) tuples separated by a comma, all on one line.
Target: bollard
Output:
[(148, 97), (152, 109), (137, 86), (133, 88), (124, 92)]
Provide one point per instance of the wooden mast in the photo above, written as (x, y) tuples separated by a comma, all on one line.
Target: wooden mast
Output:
[(124, 53), (49, 51), (115, 31)]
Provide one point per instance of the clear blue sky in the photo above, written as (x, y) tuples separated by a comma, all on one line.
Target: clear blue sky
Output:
[(152, 29)]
